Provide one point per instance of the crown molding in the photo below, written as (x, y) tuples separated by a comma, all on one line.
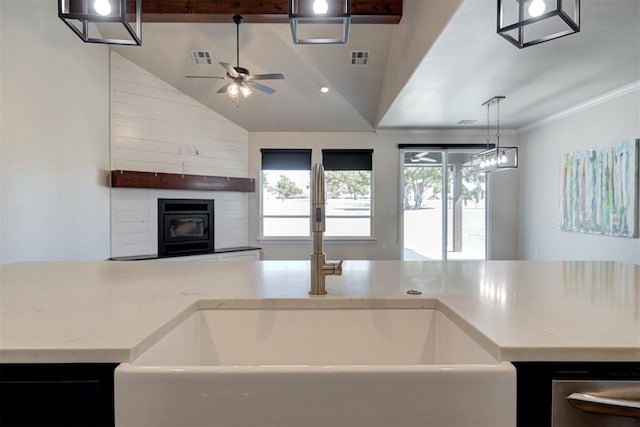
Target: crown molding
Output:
[(606, 97)]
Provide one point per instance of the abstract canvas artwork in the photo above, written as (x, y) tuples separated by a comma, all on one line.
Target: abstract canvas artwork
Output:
[(599, 190)]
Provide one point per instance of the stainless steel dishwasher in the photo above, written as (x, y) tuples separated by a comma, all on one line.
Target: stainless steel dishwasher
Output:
[(578, 394), (586, 403)]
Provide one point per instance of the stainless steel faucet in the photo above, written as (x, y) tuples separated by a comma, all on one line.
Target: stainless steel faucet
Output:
[(320, 268)]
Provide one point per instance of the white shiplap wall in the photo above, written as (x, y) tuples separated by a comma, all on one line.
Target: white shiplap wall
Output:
[(157, 128)]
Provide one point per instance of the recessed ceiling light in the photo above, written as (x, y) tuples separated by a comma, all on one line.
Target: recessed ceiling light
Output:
[(324, 89)]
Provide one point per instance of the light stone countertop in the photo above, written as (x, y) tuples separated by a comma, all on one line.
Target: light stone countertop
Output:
[(111, 311)]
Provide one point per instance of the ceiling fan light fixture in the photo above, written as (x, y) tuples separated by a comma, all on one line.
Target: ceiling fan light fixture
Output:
[(526, 23), (103, 21), (318, 14), (245, 90), (233, 90), (238, 79)]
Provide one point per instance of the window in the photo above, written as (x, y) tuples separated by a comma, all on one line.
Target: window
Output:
[(348, 181), (286, 198), (286, 182)]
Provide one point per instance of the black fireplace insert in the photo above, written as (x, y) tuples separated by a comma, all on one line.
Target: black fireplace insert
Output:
[(185, 227)]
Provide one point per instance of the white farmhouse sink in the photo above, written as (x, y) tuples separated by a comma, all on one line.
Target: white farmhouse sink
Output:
[(316, 367)]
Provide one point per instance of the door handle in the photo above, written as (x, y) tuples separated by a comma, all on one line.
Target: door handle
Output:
[(605, 405)]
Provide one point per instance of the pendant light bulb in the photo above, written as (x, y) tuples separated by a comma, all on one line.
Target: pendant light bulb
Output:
[(536, 8), (233, 90), (320, 7), (102, 7)]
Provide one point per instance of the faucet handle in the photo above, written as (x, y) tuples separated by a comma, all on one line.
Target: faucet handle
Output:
[(332, 268)]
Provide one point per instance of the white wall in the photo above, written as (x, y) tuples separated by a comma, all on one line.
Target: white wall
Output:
[(386, 161), (502, 211), (54, 146), (157, 128), (600, 125)]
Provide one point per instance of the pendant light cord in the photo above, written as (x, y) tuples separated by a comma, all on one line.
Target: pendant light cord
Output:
[(497, 125), (488, 130)]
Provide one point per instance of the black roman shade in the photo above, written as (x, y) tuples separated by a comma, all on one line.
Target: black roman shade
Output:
[(347, 159), (286, 159)]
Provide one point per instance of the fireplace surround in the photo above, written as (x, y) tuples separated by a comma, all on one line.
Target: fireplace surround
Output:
[(185, 227)]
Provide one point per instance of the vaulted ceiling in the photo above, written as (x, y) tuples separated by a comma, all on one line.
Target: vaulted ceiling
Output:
[(433, 69)]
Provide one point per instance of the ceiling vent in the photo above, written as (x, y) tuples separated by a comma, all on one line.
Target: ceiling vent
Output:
[(201, 57), (359, 57)]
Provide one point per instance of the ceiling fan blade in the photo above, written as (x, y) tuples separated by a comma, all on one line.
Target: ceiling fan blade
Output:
[(224, 88), (204, 77), (232, 71), (261, 87), (274, 76)]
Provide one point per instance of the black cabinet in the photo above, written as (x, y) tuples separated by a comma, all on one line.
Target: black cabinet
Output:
[(56, 395)]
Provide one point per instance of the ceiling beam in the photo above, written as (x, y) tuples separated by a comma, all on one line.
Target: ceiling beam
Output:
[(257, 11)]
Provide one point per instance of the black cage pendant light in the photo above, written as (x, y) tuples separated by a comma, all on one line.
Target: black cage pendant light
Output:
[(104, 21), (310, 13), (526, 23)]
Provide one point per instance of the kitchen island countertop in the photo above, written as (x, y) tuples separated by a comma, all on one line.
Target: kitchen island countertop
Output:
[(110, 311)]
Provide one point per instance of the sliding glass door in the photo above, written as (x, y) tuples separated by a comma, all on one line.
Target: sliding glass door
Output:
[(443, 206)]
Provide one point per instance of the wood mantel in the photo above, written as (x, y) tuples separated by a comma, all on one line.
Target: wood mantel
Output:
[(176, 181)]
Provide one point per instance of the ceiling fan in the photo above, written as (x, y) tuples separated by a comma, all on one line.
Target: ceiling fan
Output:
[(422, 157), (239, 79)]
